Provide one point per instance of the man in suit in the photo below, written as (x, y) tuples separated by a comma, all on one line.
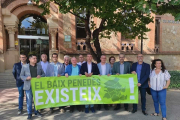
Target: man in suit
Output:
[(55, 68), (104, 69), (44, 63), (121, 67), (142, 70), (19, 82), (28, 72), (88, 69)]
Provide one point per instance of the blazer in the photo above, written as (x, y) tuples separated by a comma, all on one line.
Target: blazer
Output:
[(145, 72), (94, 69), (42, 67), (116, 68), (25, 72), (50, 69), (16, 73), (108, 68), (69, 69)]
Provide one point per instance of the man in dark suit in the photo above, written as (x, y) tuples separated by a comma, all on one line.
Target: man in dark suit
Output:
[(121, 67), (142, 70), (88, 69), (19, 82)]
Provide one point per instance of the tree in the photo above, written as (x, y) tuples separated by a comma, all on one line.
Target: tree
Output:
[(129, 17)]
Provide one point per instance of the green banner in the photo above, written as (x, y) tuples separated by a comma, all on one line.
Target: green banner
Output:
[(80, 90)]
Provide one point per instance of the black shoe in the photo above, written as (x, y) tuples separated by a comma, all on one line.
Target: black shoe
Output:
[(20, 112), (38, 114), (29, 116), (144, 112), (106, 108), (116, 108), (99, 107), (126, 109), (71, 110), (133, 111)]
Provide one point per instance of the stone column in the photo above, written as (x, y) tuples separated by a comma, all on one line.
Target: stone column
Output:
[(53, 33), (12, 54), (11, 31)]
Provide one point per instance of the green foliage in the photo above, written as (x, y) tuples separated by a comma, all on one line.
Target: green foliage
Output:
[(114, 89), (175, 80)]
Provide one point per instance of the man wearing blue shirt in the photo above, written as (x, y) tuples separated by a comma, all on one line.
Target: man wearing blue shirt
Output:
[(142, 70), (72, 70)]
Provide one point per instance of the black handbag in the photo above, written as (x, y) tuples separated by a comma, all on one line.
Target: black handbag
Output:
[(148, 90)]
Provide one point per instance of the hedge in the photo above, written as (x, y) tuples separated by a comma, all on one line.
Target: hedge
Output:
[(175, 80)]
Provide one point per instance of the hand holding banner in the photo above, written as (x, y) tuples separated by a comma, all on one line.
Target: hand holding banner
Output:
[(80, 90)]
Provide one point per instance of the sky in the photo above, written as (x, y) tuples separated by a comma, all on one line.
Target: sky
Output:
[(25, 22)]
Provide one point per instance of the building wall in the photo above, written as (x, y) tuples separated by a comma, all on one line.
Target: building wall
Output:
[(170, 34), (65, 24)]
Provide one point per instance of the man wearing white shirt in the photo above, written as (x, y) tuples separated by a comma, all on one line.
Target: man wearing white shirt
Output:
[(88, 69), (104, 69), (81, 60)]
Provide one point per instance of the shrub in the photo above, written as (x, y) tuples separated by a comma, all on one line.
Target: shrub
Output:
[(175, 80)]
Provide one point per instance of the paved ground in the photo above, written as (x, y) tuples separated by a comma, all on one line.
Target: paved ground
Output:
[(8, 110)]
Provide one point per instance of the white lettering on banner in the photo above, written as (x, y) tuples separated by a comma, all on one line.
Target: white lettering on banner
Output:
[(74, 93), (89, 92), (131, 85), (65, 95), (96, 93), (38, 97), (57, 95), (81, 94), (49, 96)]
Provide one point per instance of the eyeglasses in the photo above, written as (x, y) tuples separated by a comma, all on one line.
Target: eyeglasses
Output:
[(140, 56)]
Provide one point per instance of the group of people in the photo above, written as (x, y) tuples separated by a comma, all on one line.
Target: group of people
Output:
[(157, 79)]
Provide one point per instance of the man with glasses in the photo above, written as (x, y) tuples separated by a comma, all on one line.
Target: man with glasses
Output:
[(142, 70), (55, 68), (66, 61), (121, 67), (81, 60), (19, 82)]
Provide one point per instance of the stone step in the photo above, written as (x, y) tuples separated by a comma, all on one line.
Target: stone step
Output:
[(7, 79)]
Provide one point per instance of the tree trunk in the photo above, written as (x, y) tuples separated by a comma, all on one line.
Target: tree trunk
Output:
[(88, 36), (97, 45)]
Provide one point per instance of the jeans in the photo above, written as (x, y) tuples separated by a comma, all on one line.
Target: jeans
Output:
[(159, 97), (21, 96), (86, 106), (143, 99), (29, 99)]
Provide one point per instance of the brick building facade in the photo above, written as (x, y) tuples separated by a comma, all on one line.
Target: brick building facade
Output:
[(162, 40)]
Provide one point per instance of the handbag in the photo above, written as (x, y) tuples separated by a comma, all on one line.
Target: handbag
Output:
[(148, 90)]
